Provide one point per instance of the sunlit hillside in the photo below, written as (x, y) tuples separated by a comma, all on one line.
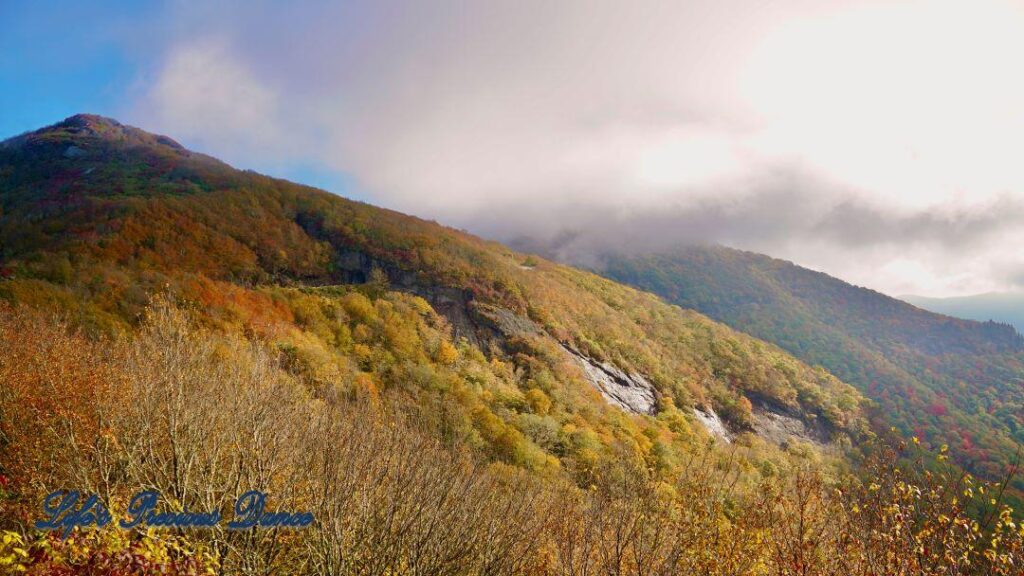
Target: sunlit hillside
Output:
[(945, 380), (441, 404)]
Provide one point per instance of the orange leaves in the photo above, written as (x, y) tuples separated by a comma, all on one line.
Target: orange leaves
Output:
[(233, 306), (51, 380)]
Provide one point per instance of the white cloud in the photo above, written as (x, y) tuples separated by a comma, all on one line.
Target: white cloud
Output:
[(914, 103), (207, 95), (449, 110)]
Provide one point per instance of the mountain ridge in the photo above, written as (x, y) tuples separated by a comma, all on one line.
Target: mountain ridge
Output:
[(441, 404), (1004, 307), (137, 213), (946, 380)]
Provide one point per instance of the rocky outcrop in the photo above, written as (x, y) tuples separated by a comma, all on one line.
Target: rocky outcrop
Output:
[(713, 423), (480, 324), (783, 429), (485, 324), (354, 267), (74, 152), (456, 306), (503, 321), (777, 424), (630, 392)]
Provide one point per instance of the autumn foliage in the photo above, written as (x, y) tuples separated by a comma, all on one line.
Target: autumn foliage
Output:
[(195, 414), (170, 323)]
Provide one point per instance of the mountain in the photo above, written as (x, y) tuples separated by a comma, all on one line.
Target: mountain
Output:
[(1006, 307), (411, 399), (945, 380), (98, 216)]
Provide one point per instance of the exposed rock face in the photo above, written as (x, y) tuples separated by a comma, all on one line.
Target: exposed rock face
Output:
[(499, 326), (485, 324), (455, 305), (507, 323), (354, 267), (785, 429), (478, 323), (482, 324), (74, 152), (776, 424), (711, 421), (630, 392)]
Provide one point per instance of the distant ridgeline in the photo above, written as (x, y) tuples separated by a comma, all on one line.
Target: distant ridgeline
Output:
[(1001, 307), (949, 381)]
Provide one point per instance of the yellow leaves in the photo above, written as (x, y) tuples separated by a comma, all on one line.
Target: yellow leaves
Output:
[(446, 353), (482, 401), (421, 306), (362, 352), (12, 552), (539, 402), (362, 333), (359, 307)]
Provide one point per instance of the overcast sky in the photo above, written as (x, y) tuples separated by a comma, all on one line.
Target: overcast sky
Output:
[(879, 142)]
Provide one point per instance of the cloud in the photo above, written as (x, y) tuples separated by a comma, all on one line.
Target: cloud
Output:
[(780, 212), (795, 216), (205, 94), (773, 127), (854, 223), (1012, 273)]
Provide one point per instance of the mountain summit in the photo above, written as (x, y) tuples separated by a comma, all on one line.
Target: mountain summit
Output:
[(89, 128)]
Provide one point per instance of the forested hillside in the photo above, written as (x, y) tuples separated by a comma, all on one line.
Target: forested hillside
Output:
[(945, 380), (97, 217), (442, 404)]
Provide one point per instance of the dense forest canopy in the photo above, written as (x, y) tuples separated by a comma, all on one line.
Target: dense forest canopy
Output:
[(945, 380)]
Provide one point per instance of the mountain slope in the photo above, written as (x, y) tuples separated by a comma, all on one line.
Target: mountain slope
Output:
[(1005, 307), (97, 217), (434, 403), (950, 381)]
